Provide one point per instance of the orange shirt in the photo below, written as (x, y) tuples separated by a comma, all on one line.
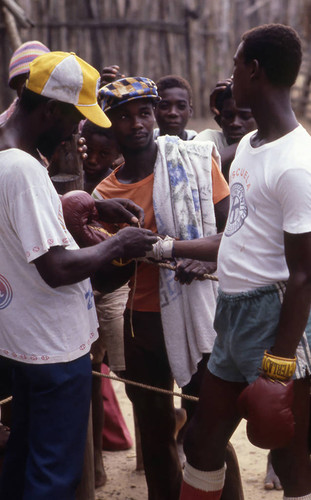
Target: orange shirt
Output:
[(220, 187), (147, 285)]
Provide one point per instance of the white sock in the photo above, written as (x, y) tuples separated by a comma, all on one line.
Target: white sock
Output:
[(205, 480)]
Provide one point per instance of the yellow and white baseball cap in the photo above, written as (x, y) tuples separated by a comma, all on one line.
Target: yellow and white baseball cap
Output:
[(67, 78)]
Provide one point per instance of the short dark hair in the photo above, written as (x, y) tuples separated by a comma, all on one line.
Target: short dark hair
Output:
[(277, 48), (222, 96), (30, 100), (90, 128), (172, 81)]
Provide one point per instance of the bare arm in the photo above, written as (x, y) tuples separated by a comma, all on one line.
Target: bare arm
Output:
[(200, 249), (227, 155), (297, 299), (221, 213), (59, 267)]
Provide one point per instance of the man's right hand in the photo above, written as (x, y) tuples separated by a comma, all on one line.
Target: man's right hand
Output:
[(219, 88), (135, 242)]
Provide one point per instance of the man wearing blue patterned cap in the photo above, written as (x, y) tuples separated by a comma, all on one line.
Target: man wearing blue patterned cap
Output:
[(48, 319), (173, 181)]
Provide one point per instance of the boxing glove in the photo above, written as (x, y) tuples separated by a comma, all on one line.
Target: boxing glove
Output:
[(82, 221), (266, 403), (81, 218)]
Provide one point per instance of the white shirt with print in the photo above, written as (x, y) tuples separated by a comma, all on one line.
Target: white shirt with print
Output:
[(270, 192), (38, 324)]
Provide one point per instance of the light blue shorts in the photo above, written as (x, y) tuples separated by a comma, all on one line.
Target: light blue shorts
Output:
[(246, 325)]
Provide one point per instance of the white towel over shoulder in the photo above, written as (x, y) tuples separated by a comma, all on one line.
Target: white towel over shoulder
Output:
[(183, 207)]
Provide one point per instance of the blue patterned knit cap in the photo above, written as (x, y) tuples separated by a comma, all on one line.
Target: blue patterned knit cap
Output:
[(127, 89)]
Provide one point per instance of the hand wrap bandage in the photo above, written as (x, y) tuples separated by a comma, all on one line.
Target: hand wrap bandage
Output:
[(266, 404), (162, 249)]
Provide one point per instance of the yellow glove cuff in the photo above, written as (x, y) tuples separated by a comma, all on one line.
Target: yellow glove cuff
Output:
[(278, 368), (121, 262)]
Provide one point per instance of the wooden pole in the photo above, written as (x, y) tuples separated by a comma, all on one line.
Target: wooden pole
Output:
[(66, 169), (194, 52), (18, 13), (11, 29)]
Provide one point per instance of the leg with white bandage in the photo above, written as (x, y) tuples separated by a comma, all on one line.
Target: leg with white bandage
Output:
[(232, 489), (201, 485), (207, 438)]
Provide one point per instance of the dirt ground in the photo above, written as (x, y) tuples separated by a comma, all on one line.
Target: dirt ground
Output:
[(125, 483)]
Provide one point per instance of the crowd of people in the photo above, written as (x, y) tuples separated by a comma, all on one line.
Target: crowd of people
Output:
[(234, 199)]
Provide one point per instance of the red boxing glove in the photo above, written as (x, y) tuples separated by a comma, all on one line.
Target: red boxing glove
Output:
[(81, 218), (82, 221), (266, 405)]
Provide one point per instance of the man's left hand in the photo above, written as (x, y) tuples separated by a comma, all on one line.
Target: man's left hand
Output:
[(119, 211)]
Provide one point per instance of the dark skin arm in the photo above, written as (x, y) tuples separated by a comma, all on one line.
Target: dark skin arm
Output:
[(205, 249), (296, 305), (59, 267), (221, 213)]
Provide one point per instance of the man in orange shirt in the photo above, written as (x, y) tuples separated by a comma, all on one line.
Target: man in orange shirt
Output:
[(161, 176)]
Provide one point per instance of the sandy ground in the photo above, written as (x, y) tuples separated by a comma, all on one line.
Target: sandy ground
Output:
[(125, 483)]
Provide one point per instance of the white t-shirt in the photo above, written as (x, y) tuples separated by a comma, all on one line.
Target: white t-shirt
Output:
[(270, 192), (190, 134), (216, 136), (38, 324)]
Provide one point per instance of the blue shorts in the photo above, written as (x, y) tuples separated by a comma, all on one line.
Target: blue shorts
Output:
[(246, 325)]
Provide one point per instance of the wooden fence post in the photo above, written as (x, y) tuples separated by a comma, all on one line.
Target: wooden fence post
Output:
[(66, 168)]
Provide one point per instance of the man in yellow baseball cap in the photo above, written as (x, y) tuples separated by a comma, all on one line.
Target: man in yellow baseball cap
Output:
[(61, 89), (48, 318), (67, 78)]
